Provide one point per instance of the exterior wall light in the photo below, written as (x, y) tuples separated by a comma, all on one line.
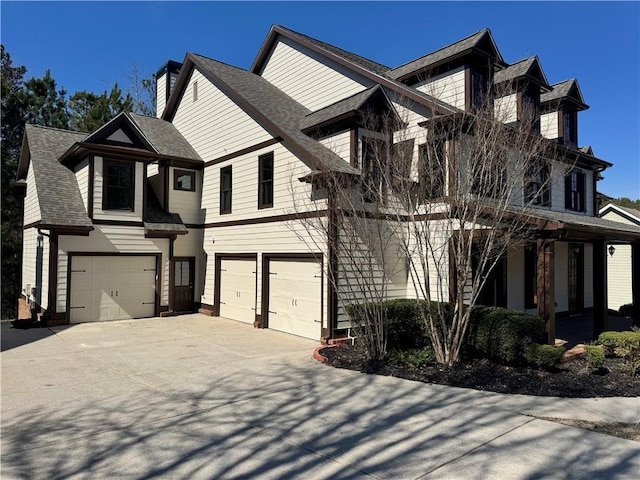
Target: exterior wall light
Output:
[(612, 250)]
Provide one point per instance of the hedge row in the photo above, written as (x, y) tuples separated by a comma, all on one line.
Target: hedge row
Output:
[(497, 333)]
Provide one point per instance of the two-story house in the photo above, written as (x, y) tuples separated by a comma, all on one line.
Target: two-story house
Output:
[(206, 206)]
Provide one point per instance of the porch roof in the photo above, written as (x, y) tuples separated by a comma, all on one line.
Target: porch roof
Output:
[(571, 226)]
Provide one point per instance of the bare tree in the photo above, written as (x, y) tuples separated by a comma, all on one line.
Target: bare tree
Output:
[(142, 89), (437, 205)]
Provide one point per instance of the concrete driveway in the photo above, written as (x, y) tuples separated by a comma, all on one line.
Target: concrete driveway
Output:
[(201, 397)]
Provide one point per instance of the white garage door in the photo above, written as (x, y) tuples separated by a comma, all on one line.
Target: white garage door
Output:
[(295, 297), (238, 289), (112, 288)]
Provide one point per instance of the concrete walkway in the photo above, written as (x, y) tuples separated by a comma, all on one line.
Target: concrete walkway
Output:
[(201, 397)]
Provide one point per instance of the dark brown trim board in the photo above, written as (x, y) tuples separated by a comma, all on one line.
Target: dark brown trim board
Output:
[(354, 147), (92, 183), (274, 218), (120, 223), (244, 151), (53, 272), (218, 265), (468, 100), (266, 259), (145, 183)]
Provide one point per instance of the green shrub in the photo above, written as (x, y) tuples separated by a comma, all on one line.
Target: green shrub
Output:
[(414, 357), (543, 356), (594, 356), (613, 341), (405, 327), (626, 310), (503, 334)]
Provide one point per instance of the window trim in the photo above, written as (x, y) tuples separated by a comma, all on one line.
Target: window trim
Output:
[(576, 200), (106, 162), (373, 175), (178, 173), (195, 90), (223, 191), (542, 195), (265, 183)]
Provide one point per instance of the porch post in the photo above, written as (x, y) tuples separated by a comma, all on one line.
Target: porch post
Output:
[(635, 282), (599, 287), (545, 289)]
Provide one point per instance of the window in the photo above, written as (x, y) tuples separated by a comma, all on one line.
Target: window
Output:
[(374, 154), (226, 185), (184, 180), (530, 276), (195, 90), (265, 180), (536, 190), (433, 164), (479, 89), (570, 128), (118, 185), (574, 191)]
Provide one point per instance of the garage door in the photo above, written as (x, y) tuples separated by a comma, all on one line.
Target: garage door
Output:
[(295, 297), (238, 289), (112, 288)]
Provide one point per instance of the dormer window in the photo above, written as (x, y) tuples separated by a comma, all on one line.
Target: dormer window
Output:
[(570, 128), (118, 185)]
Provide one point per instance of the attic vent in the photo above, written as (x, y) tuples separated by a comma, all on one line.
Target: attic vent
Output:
[(195, 90)]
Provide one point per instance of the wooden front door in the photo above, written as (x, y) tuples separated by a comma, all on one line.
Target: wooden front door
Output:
[(576, 277), (182, 286)]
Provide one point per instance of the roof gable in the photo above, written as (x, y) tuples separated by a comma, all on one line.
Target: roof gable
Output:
[(568, 90), (120, 131), (481, 42), (365, 67), (630, 214), (528, 69), (276, 112)]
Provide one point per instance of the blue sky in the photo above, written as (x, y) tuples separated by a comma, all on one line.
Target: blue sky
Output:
[(90, 45)]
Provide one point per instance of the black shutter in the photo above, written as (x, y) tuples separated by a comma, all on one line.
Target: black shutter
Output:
[(581, 191)]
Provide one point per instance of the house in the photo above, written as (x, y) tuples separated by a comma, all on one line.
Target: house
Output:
[(204, 206), (621, 261)]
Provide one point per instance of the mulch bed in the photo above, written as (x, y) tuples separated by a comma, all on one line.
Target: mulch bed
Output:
[(569, 380)]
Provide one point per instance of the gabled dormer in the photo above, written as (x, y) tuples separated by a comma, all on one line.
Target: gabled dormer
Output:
[(459, 74), (112, 167), (560, 107), (517, 90)]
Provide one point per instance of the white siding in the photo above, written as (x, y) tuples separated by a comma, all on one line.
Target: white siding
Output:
[(276, 237), (100, 214), (289, 194), (190, 245), (35, 266), (340, 144), (186, 204), (506, 108), (549, 125), (31, 202), (615, 217), (161, 92), (155, 176), (111, 239), (214, 125), (448, 87), (619, 276), (308, 77), (82, 177)]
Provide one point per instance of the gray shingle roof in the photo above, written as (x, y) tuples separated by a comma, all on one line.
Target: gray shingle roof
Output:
[(630, 211), (276, 108), (519, 69), (432, 58), (562, 90), (337, 109), (352, 57), (58, 193), (164, 137), (157, 220), (589, 223)]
